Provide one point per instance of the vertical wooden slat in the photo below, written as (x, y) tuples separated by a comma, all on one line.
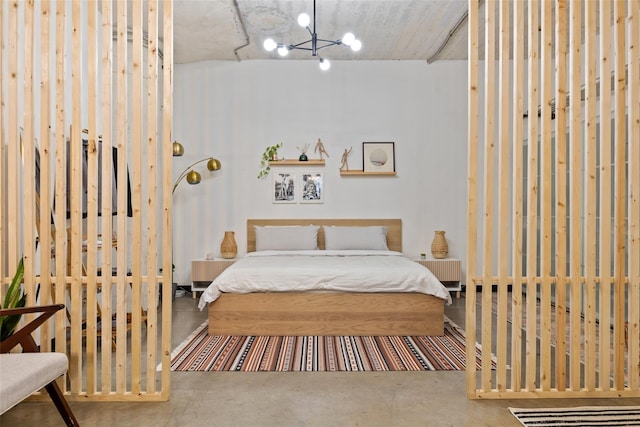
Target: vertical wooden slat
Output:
[(604, 242), (121, 135), (620, 239), (61, 184), (518, 133), (633, 259), (167, 96), (590, 195), (532, 196), (503, 197), (28, 155), (106, 211), (472, 188), (13, 155), (488, 193), (136, 139), (152, 188), (575, 189), (43, 212), (561, 193), (546, 272), (92, 202), (136, 197), (3, 142), (75, 184)]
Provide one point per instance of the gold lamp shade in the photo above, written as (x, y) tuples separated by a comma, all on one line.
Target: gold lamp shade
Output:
[(213, 164), (178, 149), (193, 177)]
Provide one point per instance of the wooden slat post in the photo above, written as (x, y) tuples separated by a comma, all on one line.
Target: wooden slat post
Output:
[(561, 193), (604, 265), (472, 188), (517, 168)]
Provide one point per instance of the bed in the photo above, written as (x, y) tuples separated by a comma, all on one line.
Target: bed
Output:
[(241, 300)]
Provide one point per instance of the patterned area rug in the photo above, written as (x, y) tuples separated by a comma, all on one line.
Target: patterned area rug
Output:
[(583, 416), (201, 352)]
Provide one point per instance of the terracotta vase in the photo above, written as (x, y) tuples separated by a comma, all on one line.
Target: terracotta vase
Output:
[(228, 247), (439, 246)]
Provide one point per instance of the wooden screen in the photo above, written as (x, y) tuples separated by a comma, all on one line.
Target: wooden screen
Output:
[(85, 184), (553, 260)]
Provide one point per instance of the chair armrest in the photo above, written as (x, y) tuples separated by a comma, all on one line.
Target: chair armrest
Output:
[(23, 335)]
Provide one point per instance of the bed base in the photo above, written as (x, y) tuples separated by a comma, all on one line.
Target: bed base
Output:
[(330, 314)]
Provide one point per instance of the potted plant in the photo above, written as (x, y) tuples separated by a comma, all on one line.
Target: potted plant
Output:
[(14, 298), (270, 153)]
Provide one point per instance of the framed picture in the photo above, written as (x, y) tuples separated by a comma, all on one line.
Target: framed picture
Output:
[(312, 188), (378, 157), (284, 188)]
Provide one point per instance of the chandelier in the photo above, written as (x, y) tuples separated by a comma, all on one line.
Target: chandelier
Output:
[(315, 43)]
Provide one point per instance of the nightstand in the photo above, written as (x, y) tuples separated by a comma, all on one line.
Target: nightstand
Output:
[(447, 270), (204, 271)]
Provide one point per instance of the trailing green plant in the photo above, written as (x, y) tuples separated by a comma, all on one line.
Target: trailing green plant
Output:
[(14, 298), (270, 153)]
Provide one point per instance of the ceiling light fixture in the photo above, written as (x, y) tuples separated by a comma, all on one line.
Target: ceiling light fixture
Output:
[(304, 20)]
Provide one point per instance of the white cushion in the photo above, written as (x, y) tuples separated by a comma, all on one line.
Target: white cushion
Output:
[(287, 238), (22, 374), (366, 238)]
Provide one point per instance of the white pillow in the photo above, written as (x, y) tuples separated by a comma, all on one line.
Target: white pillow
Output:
[(368, 238), (287, 238)]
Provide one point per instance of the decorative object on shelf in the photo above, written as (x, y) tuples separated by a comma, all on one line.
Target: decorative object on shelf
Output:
[(228, 247), (193, 177), (344, 165), (304, 20), (312, 188), (319, 148), (439, 246), (283, 189), (303, 157), (270, 153), (378, 157)]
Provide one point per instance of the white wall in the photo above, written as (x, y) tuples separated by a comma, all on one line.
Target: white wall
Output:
[(233, 110)]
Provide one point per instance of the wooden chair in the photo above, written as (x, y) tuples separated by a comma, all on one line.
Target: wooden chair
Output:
[(22, 374)]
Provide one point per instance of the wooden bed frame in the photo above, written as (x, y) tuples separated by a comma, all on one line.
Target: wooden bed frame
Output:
[(336, 313)]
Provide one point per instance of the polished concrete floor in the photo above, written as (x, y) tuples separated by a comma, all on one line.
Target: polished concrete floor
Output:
[(298, 398)]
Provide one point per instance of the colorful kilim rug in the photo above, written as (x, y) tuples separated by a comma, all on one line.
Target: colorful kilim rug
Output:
[(201, 352), (584, 416)]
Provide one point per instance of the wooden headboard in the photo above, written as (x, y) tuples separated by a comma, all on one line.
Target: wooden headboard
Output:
[(394, 229)]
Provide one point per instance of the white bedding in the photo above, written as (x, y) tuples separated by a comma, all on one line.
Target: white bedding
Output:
[(324, 270)]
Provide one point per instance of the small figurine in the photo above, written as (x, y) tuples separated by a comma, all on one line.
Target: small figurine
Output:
[(344, 165), (320, 149), (303, 157)]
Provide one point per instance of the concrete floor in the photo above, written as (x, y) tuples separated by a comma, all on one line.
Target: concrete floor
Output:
[(298, 398)]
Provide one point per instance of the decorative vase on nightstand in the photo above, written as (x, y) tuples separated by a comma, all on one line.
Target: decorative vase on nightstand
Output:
[(439, 246), (228, 247)]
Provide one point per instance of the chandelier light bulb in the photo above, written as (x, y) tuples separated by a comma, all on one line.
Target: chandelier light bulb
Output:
[(283, 51), (324, 64), (348, 38), (356, 45), (270, 45), (304, 20)]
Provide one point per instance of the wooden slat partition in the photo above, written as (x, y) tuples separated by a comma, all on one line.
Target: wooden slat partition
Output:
[(66, 126), (561, 303)]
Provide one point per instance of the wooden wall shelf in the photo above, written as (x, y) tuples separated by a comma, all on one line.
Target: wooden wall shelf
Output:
[(363, 173), (296, 162)]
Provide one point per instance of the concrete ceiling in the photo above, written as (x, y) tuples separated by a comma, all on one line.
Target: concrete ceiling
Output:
[(426, 30)]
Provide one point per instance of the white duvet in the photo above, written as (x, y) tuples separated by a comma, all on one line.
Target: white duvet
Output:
[(324, 270)]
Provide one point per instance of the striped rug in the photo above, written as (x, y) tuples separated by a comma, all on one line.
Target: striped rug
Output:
[(201, 352), (583, 416)]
